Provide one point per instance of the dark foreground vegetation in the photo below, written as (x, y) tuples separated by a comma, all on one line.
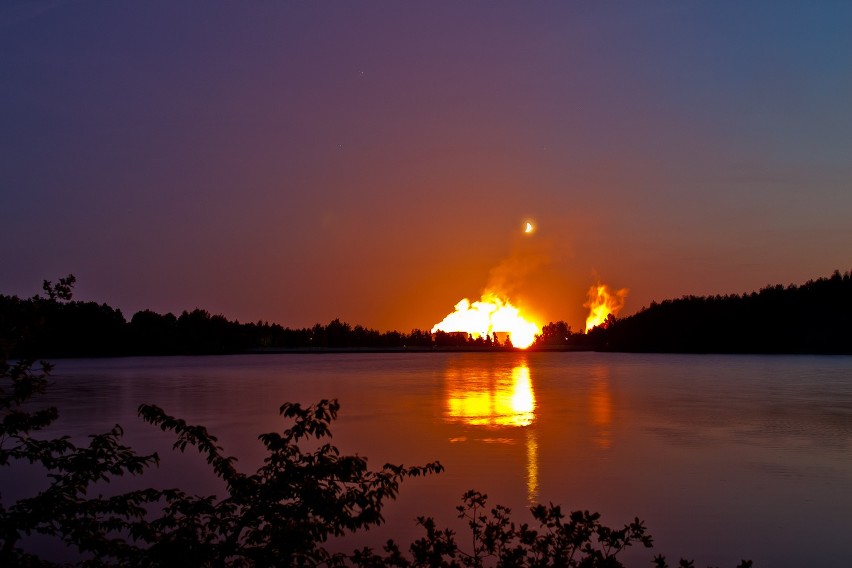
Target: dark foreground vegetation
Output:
[(815, 317), (285, 514)]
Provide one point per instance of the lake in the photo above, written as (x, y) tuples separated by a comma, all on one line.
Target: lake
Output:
[(723, 457)]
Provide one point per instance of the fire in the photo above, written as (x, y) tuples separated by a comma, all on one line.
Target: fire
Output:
[(491, 314), (602, 302)]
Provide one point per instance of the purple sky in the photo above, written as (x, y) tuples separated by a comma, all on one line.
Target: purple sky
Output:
[(375, 161)]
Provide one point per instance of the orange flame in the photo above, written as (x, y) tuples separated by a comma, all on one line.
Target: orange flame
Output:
[(492, 314), (602, 302)]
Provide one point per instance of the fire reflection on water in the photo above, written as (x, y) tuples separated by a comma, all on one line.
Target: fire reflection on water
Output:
[(496, 399), (501, 400), (532, 466), (600, 405)]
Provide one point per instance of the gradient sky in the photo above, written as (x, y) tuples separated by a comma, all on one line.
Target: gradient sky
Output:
[(374, 161)]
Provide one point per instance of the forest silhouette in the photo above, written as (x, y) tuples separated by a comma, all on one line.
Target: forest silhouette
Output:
[(815, 317)]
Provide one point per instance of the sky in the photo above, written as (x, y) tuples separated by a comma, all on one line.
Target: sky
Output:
[(296, 162)]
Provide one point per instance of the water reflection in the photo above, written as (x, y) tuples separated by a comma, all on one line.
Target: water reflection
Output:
[(500, 399), (690, 437), (490, 397), (532, 465), (600, 406)]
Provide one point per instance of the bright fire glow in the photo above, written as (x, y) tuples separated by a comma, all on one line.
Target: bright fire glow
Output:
[(528, 228), (602, 302), (498, 401), (491, 314)]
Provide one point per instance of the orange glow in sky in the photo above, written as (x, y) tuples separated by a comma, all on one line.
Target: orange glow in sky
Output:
[(356, 180)]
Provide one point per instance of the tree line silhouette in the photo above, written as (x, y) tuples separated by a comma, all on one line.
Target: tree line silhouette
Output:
[(815, 317), (41, 326)]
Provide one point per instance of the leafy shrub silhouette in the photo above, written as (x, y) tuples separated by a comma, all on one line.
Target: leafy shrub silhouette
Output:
[(280, 515)]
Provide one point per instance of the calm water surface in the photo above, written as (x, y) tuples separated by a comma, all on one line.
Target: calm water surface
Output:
[(724, 457)]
